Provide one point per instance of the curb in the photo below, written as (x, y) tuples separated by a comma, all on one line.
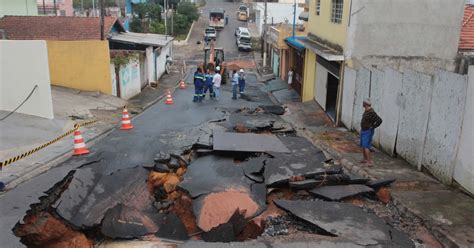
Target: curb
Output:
[(189, 33)]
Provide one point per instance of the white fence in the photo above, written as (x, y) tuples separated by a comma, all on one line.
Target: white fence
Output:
[(423, 117)]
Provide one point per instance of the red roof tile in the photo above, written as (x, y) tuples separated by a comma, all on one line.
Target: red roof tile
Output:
[(56, 27), (467, 32)]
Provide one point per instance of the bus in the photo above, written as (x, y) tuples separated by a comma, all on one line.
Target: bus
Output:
[(216, 18)]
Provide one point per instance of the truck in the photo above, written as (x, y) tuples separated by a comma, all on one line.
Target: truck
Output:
[(210, 34), (217, 18)]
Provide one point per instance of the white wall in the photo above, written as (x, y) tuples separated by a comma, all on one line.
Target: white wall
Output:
[(24, 64), (427, 119), (279, 11), (161, 59), (421, 28), (130, 79), (464, 163)]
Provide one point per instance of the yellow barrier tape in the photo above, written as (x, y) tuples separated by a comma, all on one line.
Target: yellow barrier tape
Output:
[(28, 153)]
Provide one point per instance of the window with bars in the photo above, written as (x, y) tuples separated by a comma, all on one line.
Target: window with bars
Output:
[(336, 13), (318, 6)]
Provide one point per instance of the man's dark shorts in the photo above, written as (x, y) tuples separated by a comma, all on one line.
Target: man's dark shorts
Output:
[(366, 138)]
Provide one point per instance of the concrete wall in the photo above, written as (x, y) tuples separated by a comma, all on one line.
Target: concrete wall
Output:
[(82, 65), (161, 59), (130, 79), (427, 119), (394, 28), (322, 26), (24, 64), (17, 7), (309, 76), (464, 165)]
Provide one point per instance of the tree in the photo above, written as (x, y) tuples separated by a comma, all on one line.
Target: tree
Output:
[(136, 25), (180, 24), (157, 27), (189, 10)]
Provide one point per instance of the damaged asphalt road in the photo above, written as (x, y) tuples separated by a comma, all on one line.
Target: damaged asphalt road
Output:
[(166, 178)]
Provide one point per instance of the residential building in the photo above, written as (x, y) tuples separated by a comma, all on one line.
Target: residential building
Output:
[(55, 7), (466, 41), (367, 33), (15, 7), (276, 13), (79, 59)]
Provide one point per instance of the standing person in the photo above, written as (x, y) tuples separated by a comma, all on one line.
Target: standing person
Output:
[(226, 19), (235, 84), (207, 84), (370, 121), (216, 81), (290, 77), (198, 85), (241, 81)]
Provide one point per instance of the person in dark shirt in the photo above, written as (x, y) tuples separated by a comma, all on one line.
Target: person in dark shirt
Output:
[(370, 121)]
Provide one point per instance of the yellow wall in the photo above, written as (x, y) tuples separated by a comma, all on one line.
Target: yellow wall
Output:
[(322, 26), (309, 76), (83, 65)]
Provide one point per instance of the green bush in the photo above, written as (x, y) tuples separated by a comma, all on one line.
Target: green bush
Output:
[(189, 10), (157, 27), (136, 25)]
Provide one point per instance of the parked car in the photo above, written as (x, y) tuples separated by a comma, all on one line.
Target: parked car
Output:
[(210, 33), (242, 31), (244, 42)]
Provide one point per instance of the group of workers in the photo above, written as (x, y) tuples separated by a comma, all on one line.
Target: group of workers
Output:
[(210, 81)]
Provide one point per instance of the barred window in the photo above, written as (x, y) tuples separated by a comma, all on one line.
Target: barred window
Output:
[(336, 13), (318, 6)]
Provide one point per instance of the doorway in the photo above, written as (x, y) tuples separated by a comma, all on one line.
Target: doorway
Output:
[(331, 99)]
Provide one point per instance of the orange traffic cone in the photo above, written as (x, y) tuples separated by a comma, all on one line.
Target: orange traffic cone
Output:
[(126, 122), (79, 145), (169, 99), (182, 85)]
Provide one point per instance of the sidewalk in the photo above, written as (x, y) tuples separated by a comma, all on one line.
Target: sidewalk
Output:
[(25, 132), (447, 213)]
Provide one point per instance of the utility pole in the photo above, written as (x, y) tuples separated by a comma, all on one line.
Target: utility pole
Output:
[(166, 19), (101, 6), (172, 28), (55, 10), (93, 8), (44, 8), (294, 18), (265, 35)]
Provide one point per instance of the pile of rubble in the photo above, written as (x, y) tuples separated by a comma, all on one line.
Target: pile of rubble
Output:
[(217, 189)]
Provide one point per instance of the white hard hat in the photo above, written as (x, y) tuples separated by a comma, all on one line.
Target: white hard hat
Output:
[(241, 70), (218, 68)]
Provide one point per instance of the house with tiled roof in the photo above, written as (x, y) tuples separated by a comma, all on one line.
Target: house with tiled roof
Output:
[(65, 28), (466, 41), (79, 59)]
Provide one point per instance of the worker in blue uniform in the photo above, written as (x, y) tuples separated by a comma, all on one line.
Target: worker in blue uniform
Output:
[(208, 86), (199, 81)]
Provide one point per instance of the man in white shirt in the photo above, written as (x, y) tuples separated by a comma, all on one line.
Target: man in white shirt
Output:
[(216, 81)]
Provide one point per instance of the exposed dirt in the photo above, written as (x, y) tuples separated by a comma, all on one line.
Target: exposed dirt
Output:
[(383, 194), (44, 230), (182, 207), (219, 207)]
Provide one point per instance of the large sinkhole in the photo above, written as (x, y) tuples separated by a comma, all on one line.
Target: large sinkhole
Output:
[(255, 179)]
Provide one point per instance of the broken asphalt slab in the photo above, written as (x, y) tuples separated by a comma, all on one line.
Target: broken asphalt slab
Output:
[(254, 120), (304, 160), (89, 195), (347, 221), (248, 142), (339, 192)]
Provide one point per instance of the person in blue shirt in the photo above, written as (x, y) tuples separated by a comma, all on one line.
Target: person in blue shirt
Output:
[(198, 85), (208, 84), (235, 84)]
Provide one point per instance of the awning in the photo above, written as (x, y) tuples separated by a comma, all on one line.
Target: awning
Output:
[(304, 16), (295, 43), (323, 51), (143, 39)]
